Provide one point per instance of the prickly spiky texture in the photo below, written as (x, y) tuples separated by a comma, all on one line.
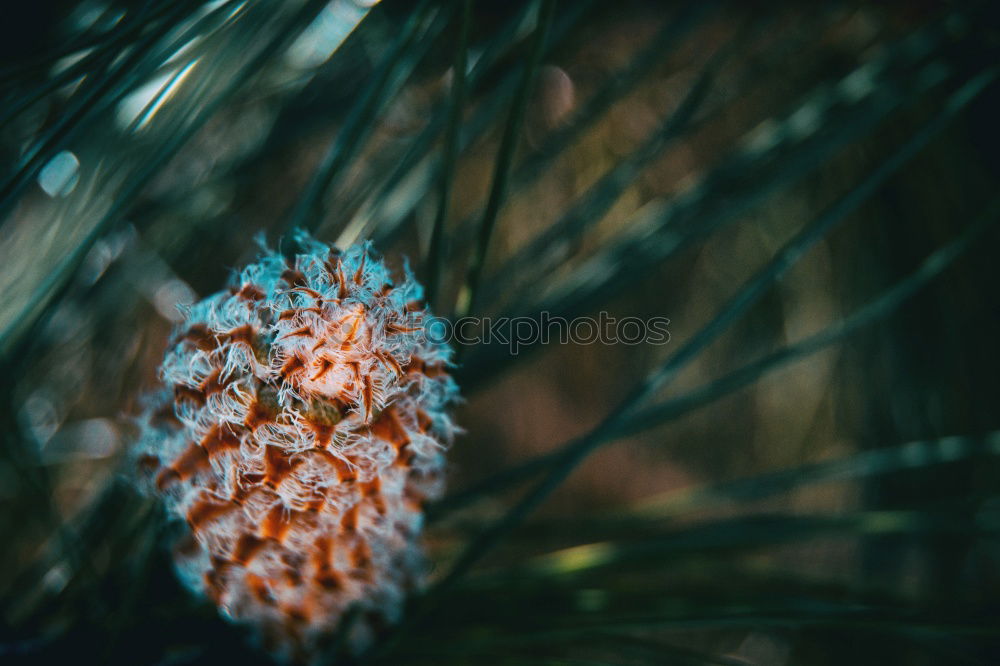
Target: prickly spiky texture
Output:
[(300, 432)]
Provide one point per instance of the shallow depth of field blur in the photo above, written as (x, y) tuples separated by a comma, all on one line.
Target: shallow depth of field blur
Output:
[(836, 507)]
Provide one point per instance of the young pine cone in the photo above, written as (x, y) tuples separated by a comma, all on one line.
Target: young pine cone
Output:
[(301, 431)]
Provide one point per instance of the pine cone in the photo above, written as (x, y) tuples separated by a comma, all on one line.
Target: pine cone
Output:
[(301, 432)]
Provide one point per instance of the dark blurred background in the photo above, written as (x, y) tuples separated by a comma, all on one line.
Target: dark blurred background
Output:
[(654, 157)]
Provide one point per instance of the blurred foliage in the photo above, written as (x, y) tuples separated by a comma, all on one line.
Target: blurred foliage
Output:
[(808, 192)]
